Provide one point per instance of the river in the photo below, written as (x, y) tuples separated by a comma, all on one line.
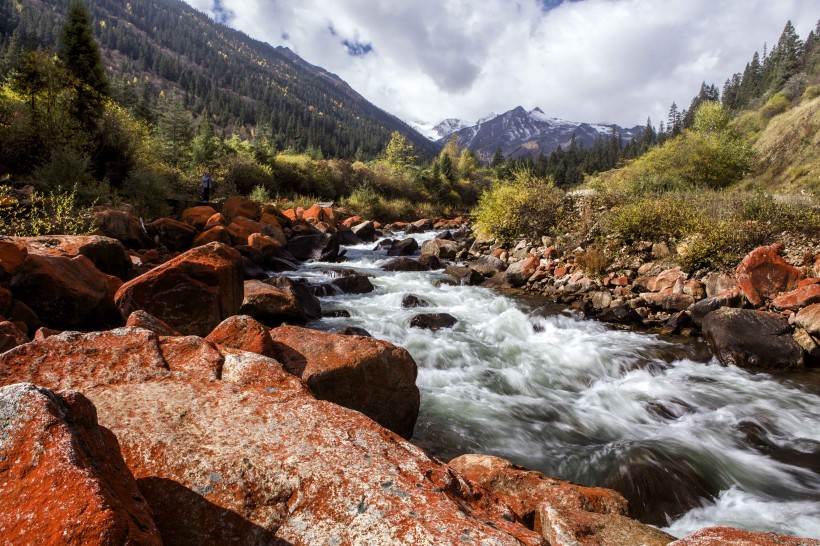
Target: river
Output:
[(688, 442)]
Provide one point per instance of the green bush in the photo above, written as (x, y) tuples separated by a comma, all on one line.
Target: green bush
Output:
[(147, 191), (260, 194), (56, 212), (774, 106), (526, 207), (654, 219)]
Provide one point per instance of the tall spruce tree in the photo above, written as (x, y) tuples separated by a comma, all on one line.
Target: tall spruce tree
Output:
[(80, 57)]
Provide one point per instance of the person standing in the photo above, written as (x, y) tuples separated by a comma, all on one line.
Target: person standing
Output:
[(207, 183)]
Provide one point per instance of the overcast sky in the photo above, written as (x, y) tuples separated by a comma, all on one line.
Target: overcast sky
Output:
[(614, 61)]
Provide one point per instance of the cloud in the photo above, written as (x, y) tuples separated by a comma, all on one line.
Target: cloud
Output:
[(586, 60)]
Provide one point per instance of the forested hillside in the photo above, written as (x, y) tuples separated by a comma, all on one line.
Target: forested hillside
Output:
[(154, 46)]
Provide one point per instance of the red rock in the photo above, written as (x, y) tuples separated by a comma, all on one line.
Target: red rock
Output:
[(290, 214), (239, 206), (241, 228), (275, 232), (107, 254), (19, 312), (12, 255), (560, 272), (216, 220), (694, 288), (63, 480), (65, 292), (172, 234), (723, 536), (271, 210), (763, 274), (620, 281), (152, 256), (365, 374), (141, 319), (249, 456), (264, 244), (192, 293), (270, 305), (665, 279), (11, 336), (564, 513), (519, 272), (808, 282), (198, 216), (122, 226), (716, 283), (244, 333), (320, 214), (797, 299), (217, 234), (809, 319), (43, 333)]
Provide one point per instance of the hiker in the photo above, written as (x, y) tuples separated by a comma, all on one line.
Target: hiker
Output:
[(207, 183)]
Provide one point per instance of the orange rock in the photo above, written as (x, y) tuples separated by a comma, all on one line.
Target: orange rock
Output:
[(290, 214), (270, 305), (239, 206), (107, 254), (244, 333), (172, 234), (352, 221), (216, 220), (64, 480), (264, 244), (191, 293), (374, 377), (141, 319), (797, 299), (723, 536), (564, 513), (320, 214), (763, 274), (269, 220), (666, 279), (65, 292), (241, 228), (249, 456), (272, 210), (12, 255), (11, 336), (198, 216), (216, 234), (122, 226)]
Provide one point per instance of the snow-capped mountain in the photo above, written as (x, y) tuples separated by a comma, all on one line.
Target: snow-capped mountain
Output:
[(442, 130), (519, 132)]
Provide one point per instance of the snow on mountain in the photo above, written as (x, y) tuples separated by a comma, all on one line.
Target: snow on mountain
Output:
[(519, 133)]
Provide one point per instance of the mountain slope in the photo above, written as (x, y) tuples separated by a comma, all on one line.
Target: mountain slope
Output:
[(520, 133), (240, 81)]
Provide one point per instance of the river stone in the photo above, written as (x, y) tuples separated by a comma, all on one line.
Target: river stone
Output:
[(320, 246), (752, 339), (488, 265), (410, 301), (440, 248), (519, 272), (405, 247), (354, 331), (405, 264), (732, 297), (763, 274), (271, 305), (809, 319), (433, 321), (301, 291), (354, 284), (365, 231), (464, 275)]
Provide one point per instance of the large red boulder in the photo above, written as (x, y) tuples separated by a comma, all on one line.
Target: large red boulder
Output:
[(374, 377), (107, 254), (725, 536), (122, 226), (240, 206), (244, 333), (763, 274), (192, 293), (242, 228), (172, 234), (12, 255), (217, 234), (229, 448), (65, 293), (198, 216), (62, 476)]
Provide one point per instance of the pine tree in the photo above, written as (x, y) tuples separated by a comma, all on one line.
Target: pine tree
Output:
[(786, 58), (673, 121), (204, 145), (498, 158), (80, 57), (174, 129)]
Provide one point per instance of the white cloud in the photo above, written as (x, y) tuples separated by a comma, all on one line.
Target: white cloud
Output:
[(593, 60)]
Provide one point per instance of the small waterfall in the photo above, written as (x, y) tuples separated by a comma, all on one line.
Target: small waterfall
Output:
[(689, 442)]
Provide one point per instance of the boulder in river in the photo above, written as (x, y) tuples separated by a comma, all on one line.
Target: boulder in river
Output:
[(240, 206), (518, 272), (63, 479), (271, 305), (356, 283), (11, 336), (731, 297), (464, 275), (405, 264), (488, 265), (318, 246), (433, 321), (809, 319), (409, 301), (752, 339), (405, 247), (440, 248)]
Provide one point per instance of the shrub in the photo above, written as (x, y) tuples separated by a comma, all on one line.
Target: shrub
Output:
[(526, 207), (52, 213), (593, 262), (774, 106), (654, 218), (147, 191), (260, 194)]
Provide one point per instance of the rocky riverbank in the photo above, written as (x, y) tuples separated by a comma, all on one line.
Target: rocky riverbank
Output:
[(157, 387)]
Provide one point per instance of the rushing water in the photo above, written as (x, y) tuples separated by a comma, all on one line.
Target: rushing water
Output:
[(689, 442)]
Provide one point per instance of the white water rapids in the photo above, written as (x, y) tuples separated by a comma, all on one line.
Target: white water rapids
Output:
[(689, 442)]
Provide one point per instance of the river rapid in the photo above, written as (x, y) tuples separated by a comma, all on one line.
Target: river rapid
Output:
[(688, 442)]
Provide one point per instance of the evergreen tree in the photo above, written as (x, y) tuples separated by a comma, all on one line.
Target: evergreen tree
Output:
[(174, 129), (80, 57), (785, 59), (498, 158), (204, 145)]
